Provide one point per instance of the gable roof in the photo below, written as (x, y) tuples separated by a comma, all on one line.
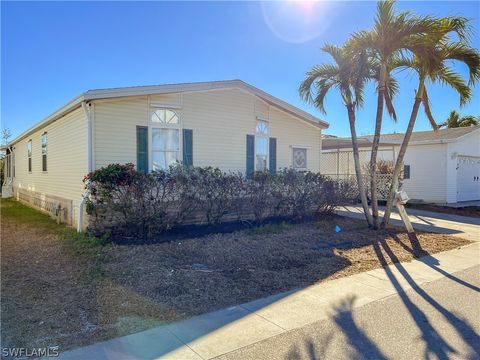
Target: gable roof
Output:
[(418, 138), (174, 88)]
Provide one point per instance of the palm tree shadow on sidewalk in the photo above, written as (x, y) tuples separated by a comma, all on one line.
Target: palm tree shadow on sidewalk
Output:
[(435, 344), (418, 252), (356, 337), (360, 346)]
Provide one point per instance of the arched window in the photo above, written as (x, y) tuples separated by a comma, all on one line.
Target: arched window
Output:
[(261, 146), (164, 116), (165, 138)]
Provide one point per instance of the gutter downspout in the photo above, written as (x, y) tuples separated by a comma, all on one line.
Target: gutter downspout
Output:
[(81, 206)]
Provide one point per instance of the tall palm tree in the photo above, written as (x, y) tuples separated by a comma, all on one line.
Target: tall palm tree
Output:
[(392, 33), (454, 120), (431, 61), (348, 75)]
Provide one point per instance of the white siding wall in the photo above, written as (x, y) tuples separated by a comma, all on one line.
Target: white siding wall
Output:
[(290, 132), (468, 145), (427, 172), (66, 160), (114, 131), (220, 121)]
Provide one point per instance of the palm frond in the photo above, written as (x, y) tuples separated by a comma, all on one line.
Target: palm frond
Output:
[(348, 73), (460, 52), (318, 72), (389, 104), (323, 88), (469, 120), (447, 76)]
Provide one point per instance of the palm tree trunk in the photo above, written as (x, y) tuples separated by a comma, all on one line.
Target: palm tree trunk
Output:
[(401, 154), (376, 141), (358, 169)]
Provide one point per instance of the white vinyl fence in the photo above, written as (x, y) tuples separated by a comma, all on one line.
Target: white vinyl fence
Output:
[(339, 165)]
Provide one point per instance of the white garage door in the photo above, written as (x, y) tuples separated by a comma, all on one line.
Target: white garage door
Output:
[(468, 178)]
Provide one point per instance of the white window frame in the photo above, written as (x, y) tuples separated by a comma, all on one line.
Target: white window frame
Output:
[(262, 135), (46, 151), (30, 156), (156, 125)]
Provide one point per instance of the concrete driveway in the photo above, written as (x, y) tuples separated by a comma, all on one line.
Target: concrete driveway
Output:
[(461, 226)]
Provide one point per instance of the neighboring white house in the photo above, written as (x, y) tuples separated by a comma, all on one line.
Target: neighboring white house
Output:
[(439, 167), (225, 124)]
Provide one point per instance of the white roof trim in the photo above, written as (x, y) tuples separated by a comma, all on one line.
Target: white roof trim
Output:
[(173, 88), (204, 86), (65, 109), (471, 132), (422, 142)]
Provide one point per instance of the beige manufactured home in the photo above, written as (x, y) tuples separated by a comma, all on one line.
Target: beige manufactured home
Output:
[(227, 124)]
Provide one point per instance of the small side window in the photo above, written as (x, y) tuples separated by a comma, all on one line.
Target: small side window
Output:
[(29, 155), (299, 158), (44, 151), (406, 171)]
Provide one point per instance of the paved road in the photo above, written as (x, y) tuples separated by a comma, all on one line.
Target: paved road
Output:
[(439, 320), (462, 226)]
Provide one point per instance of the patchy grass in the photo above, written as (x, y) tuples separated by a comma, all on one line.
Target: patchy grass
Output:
[(269, 229), (82, 240), (68, 289)]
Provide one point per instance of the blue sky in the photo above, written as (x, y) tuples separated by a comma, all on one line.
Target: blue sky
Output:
[(53, 51)]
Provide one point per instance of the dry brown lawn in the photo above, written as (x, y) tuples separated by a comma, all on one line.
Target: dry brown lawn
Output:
[(62, 289)]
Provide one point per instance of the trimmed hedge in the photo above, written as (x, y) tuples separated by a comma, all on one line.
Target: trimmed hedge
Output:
[(126, 202)]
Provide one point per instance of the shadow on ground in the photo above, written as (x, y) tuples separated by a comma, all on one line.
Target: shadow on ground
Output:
[(432, 339), (191, 278)]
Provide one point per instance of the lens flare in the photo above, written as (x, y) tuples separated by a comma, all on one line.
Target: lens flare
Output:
[(297, 21)]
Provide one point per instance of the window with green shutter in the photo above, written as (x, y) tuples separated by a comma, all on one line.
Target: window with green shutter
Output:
[(187, 147), (142, 148), (250, 155), (272, 153)]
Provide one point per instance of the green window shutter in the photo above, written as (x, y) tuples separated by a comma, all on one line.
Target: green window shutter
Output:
[(142, 148), (250, 155), (272, 152), (187, 147)]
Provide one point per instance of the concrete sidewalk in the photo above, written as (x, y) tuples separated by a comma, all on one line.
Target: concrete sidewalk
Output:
[(220, 332), (461, 226)]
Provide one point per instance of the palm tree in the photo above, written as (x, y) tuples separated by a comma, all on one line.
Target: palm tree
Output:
[(392, 33), (454, 120), (348, 75), (431, 61)]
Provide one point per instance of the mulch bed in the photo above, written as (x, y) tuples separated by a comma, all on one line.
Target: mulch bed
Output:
[(52, 295)]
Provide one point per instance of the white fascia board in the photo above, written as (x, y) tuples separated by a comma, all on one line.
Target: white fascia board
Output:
[(286, 106), (72, 104), (158, 89), (424, 142), (206, 86), (464, 135), (173, 88)]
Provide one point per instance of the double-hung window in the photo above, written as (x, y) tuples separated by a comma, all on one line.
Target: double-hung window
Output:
[(44, 151), (29, 155), (261, 146), (165, 138)]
